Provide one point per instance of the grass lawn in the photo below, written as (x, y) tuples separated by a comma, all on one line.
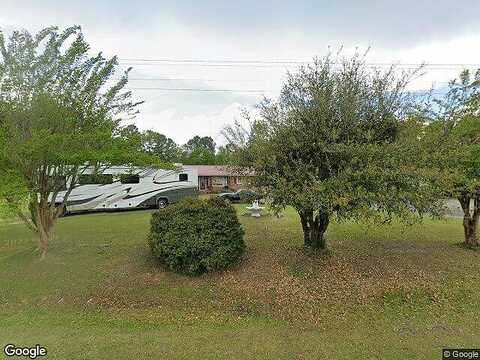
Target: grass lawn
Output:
[(391, 292)]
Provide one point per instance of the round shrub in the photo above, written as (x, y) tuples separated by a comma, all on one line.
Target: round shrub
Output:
[(195, 236)]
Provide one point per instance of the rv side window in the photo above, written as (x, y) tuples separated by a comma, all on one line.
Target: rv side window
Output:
[(183, 177), (129, 179), (95, 179)]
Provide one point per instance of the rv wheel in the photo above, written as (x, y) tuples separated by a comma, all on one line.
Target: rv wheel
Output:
[(162, 203)]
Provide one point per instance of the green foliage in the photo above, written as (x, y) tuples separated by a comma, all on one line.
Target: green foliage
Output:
[(453, 134), (159, 145), (60, 112), (14, 194), (225, 155), (451, 137), (196, 142), (103, 179), (199, 151), (330, 147), (196, 236), (55, 107), (330, 144)]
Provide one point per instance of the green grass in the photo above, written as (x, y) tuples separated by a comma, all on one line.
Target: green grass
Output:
[(389, 292)]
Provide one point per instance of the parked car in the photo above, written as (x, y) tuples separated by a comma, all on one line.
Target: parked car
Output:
[(240, 196)]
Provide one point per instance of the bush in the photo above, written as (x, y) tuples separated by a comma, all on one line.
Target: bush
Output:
[(196, 236)]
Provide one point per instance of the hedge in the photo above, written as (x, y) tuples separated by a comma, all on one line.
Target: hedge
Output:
[(196, 236)]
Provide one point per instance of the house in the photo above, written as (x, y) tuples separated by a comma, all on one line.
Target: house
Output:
[(217, 178)]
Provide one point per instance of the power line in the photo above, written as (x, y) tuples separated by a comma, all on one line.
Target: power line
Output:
[(289, 62), (198, 89), (211, 65), (276, 66), (189, 79), (173, 79), (215, 61), (276, 63), (247, 63), (259, 91)]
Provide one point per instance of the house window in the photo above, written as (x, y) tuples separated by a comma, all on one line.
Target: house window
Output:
[(129, 179), (183, 177), (219, 181)]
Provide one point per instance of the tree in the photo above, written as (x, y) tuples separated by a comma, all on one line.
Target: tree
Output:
[(60, 112), (197, 142), (131, 132), (224, 155), (199, 151), (159, 145), (452, 138), (331, 146)]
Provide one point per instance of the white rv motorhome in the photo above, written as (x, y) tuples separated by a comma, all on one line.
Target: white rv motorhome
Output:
[(127, 188)]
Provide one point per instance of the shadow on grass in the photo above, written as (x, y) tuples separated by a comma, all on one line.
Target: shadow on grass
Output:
[(464, 246)]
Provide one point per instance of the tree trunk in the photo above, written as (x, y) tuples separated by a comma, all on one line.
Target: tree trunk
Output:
[(43, 207), (470, 230), (314, 226), (44, 221), (470, 220), (43, 243)]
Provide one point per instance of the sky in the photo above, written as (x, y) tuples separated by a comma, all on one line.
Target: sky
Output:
[(197, 64)]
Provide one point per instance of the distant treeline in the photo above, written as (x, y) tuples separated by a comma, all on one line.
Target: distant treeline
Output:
[(197, 151)]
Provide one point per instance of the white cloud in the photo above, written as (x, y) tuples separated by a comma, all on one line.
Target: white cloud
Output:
[(434, 31), (182, 127)]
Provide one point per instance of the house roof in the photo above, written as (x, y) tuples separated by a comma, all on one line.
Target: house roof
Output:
[(213, 170)]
